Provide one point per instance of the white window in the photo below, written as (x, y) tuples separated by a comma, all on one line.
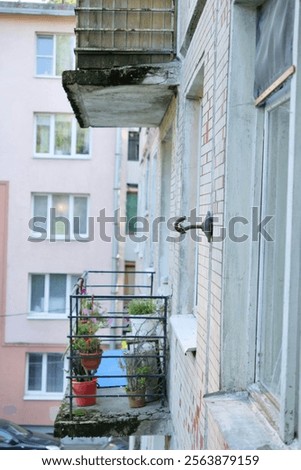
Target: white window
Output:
[(54, 54), (59, 136), (273, 253), (49, 294), (60, 216), (261, 330), (45, 376)]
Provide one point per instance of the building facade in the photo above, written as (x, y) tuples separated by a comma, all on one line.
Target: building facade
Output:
[(225, 141), (58, 185)]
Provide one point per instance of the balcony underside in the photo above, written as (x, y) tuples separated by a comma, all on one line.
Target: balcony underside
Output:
[(133, 96)]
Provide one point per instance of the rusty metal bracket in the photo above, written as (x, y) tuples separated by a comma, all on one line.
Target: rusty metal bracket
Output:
[(206, 226)]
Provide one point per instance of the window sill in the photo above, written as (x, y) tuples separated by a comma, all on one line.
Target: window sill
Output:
[(47, 316), (51, 77), (240, 424), (44, 397), (185, 329), (61, 157)]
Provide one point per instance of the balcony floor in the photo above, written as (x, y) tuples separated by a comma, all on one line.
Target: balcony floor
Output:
[(112, 416)]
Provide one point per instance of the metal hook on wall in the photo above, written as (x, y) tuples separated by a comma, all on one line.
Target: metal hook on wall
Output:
[(206, 226)]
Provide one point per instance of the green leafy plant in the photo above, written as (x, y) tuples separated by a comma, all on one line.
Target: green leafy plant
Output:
[(141, 307), (136, 371), (87, 345)]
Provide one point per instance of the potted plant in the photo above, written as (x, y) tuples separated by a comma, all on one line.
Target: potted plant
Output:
[(88, 345), (87, 352), (84, 385), (136, 372), (138, 309)]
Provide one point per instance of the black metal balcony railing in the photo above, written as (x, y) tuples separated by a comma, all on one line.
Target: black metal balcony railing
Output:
[(121, 342)]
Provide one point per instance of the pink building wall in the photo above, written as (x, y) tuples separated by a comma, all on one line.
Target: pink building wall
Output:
[(21, 95)]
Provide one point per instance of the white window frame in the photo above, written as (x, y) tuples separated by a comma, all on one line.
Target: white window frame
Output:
[(276, 102), (240, 325), (54, 53), (43, 394), (63, 237), (51, 153), (46, 314)]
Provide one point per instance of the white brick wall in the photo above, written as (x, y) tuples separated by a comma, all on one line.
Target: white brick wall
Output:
[(193, 375)]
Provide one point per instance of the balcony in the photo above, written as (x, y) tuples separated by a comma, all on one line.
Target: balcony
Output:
[(126, 68), (131, 355)]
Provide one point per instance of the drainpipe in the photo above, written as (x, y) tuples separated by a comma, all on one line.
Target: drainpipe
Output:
[(116, 208)]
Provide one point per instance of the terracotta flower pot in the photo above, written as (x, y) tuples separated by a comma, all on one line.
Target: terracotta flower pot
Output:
[(84, 388), (91, 361), (135, 401)]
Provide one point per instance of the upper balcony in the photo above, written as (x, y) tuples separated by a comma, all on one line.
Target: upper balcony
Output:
[(126, 68)]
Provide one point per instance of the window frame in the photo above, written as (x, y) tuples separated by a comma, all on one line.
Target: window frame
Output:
[(273, 103), (54, 37), (64, 237), (43, 394), (240, 325), (46, 314), (133, 142), (74, 134)]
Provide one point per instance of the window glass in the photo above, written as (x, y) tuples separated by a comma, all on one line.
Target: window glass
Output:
[(275, 26), (35, 371), (133, 146), (63, 132), (44, 55), (57, 293), (131, 211), (40, 210), (82, 140), (55, 373), (61, 205), (273, 252), (37, 293), (42, 134), (64, 53), (80, 215)]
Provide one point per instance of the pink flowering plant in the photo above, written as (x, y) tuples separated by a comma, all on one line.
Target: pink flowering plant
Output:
[(91, 319)]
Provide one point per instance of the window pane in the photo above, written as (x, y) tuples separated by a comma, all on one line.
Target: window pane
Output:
[(35, 371), (57, 293), (80, 215), (55, 373), (44, 55), (82, 141), (63, 129), (42, 134), (60, 203), (133, 146), (64, 53), (275, 191), (131, 212), (40, 210), (37, 293)]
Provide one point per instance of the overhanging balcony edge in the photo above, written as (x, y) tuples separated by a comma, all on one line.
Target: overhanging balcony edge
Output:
[(128, 96)]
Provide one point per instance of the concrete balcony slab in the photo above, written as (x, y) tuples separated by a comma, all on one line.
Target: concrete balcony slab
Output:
[(136, 96)]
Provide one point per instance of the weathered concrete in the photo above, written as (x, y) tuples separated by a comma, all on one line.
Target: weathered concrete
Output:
[(238, 424), (122, 96), (112, 417)]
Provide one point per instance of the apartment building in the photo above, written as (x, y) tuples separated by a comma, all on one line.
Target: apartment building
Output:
[(58, 183), (221, 108)]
